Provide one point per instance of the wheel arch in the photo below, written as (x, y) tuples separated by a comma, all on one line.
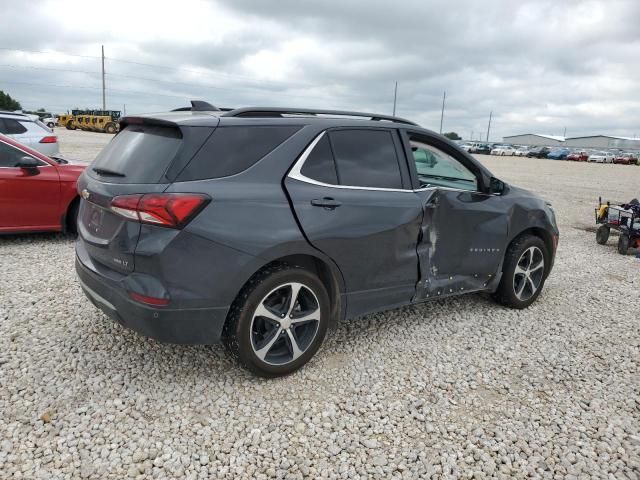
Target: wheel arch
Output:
[(328, 274), (541, 233)]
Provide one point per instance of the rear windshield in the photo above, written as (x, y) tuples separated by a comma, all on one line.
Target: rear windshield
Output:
[(138, 154)]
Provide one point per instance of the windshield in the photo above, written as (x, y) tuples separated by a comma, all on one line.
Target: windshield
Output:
[(138, 154)]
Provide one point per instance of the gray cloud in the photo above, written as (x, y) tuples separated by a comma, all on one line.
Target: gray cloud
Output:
[(540, 66)]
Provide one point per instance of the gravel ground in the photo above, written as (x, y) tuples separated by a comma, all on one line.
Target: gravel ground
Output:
[(460, 388)]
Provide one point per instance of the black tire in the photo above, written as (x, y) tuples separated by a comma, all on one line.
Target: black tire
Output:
[(240, 332), (602, 234), (51, 124), (110, 128), (623, 244), (72, 218), (71, 125), (506, 292)]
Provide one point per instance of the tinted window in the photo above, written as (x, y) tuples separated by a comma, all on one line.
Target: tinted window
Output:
[(10, 126), (230, 150), (319, 165), (366, 158), (141, 153), (436, 168), (10, 156)]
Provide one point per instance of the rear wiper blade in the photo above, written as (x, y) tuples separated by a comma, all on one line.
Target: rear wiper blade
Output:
[(107, 173)]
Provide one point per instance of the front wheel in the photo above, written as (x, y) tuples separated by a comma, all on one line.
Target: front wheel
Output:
[(278, 321), (524, 272)]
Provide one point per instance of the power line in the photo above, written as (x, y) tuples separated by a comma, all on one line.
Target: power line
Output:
[(65, 70), (166, 67), (258, 90), (48, 53)]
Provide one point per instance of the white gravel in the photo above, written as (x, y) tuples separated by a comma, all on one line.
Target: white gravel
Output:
[(460, 388)]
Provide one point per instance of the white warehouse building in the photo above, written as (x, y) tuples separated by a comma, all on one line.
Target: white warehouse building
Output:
[(604, 142), (534, 140)]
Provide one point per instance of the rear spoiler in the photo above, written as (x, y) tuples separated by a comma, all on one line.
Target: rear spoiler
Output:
[(124, 121)]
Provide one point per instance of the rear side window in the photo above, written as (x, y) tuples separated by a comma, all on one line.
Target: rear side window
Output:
[(9, 126), (230, 150), (138, 154), (366, 158), (319, 165)]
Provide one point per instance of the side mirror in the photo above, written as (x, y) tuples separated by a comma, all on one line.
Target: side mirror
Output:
[(28, 163), (496, 186)]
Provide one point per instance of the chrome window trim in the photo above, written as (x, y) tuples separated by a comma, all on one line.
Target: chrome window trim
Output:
[(295, 174)]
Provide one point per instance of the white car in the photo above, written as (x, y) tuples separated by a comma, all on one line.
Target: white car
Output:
[(601, 157), (503, 150), (521, 152), (30, 132), (50, 121)]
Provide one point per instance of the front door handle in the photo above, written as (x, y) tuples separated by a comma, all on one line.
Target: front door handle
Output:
[(326, 202)]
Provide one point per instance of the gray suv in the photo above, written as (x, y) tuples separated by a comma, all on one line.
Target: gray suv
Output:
[(261, 227)]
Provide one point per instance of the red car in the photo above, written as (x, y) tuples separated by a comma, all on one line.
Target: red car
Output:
[(578, 156), (37, 193), (626, 159)]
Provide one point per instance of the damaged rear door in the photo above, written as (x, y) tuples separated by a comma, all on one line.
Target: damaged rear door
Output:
[(463, 230)]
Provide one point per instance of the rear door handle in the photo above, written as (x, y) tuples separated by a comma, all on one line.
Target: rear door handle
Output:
[(326, 202)]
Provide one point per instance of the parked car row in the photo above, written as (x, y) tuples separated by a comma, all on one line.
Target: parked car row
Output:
[(557, 153)]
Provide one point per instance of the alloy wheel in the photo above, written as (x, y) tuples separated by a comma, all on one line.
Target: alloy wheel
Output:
[(285, 323), (528, 273)]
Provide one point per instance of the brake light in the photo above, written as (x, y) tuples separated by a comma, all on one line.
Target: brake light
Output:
[(173, 210), (156, 302), (49, 139)]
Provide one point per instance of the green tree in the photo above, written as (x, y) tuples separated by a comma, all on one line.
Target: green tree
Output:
[(452, 136), (8, 103)]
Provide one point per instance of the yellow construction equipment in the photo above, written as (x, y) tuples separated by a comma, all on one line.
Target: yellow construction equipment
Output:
[(67, 120)]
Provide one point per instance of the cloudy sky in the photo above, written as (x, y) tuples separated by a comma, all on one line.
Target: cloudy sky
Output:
[(540, 65)]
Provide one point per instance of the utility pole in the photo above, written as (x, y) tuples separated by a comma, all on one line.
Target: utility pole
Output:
[(104, 98), (489, 126), (444, 95), (471, 135), (565, 132), (395, 98), (124, 109)]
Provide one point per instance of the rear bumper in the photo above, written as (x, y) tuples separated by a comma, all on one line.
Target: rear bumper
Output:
[(183, 326)]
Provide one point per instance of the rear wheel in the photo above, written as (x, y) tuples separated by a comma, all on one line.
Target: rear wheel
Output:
[(602, 234), (110, 128), (524, 272), (71, 125), (278, 321), (623, 244)]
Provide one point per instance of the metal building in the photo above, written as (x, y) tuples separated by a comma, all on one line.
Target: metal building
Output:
[(534, 140), (604, 142)]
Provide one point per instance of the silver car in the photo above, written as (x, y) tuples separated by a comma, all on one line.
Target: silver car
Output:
[(30, 132)]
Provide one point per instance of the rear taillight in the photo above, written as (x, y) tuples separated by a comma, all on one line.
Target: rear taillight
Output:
[(49, 139), (173, 210)]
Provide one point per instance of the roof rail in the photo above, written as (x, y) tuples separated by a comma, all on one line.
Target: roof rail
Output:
[(279, 112)]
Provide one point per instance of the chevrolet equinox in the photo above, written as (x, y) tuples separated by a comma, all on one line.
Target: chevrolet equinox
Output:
[(261, 227)]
